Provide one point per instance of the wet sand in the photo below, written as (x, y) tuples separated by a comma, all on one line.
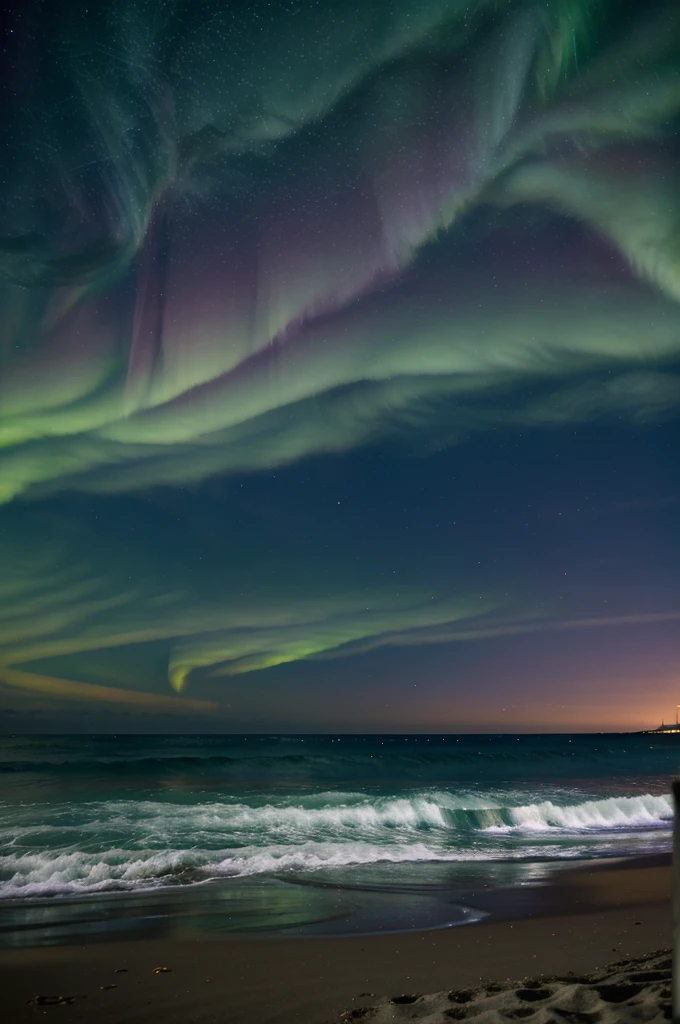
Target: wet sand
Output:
[(590, 918)]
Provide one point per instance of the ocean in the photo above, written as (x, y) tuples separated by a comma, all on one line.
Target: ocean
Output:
[(105, 835)]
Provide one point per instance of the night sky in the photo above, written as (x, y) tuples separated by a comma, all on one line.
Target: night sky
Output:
[(340, 366)]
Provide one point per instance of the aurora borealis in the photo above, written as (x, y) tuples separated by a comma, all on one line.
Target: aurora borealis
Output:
[(340, 348)]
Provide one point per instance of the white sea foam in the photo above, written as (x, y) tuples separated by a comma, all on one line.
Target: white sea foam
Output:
[(359, 813), (612, 812), (129, 844), (73, 873)]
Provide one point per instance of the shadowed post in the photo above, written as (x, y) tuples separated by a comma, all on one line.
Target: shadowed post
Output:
[(676, 901)]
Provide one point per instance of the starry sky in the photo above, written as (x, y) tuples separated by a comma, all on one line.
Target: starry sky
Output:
[(340, 365)]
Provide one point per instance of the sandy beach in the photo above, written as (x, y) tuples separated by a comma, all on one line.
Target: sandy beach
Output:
[(595, 916)]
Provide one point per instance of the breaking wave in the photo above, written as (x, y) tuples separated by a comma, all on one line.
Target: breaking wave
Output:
[(128, 844)]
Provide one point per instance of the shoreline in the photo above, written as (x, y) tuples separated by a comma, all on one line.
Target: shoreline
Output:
[(311, 907), (589, 917)]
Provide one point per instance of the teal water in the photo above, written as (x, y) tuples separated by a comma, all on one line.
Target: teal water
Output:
[(273, 825)]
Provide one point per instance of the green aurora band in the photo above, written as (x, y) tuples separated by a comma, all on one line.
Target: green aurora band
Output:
[(234, 239)]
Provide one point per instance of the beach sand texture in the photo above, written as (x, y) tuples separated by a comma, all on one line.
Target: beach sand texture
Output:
[(636, 989), (597, 916)]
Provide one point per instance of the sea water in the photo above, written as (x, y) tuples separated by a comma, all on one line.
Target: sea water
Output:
[(278, 832)]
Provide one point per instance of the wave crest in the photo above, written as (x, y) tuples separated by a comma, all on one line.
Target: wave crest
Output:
[(128, 844)]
